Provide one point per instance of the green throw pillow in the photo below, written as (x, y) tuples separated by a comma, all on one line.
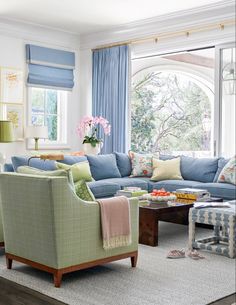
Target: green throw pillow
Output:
[(39, 172), (83, 191), (80, 171)]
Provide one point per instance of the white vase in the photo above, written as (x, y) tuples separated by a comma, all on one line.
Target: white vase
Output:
[(90, 150)]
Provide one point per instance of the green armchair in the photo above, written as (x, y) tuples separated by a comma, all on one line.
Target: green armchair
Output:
[(48, 227)]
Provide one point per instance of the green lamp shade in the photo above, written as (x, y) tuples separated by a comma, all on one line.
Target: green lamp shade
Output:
[(6, 131)]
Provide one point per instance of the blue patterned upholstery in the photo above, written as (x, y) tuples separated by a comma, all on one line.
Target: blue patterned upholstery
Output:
[(222, 242)]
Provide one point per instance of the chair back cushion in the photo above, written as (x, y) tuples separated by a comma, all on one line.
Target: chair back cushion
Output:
[(47, 165), (124, 164), (221, 164), (80, 171), (103, 166), (198, 169)]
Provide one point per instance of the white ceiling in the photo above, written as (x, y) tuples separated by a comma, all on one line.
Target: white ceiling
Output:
[(86, 16)]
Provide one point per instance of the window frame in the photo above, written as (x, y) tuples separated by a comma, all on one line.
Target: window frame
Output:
[(219, 46), (62, 107), (218, 134)]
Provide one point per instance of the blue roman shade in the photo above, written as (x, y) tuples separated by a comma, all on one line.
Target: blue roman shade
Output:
[(50, 67)]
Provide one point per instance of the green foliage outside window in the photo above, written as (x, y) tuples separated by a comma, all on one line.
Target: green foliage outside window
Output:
[(169, 113), (45, 110)]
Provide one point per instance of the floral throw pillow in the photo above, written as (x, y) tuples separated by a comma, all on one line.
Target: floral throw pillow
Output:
[(228, 173), (141, 164)]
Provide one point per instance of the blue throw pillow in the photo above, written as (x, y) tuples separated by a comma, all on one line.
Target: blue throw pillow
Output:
[(124, 164), (103, 166), (70, 160), (198, 169), (221, 164), (47, 165)]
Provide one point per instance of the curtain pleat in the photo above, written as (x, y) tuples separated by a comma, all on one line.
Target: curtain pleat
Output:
[(110, 94)]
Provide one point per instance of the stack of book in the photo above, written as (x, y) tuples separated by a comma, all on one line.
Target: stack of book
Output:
[(131, 192), (192, 194)]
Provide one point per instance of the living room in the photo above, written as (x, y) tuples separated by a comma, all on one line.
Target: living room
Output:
[(144, 102)]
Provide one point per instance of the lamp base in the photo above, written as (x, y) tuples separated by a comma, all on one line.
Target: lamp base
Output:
[(2, 161), (36, 144)]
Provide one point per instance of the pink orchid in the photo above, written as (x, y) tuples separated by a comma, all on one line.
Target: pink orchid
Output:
[(88, 127)]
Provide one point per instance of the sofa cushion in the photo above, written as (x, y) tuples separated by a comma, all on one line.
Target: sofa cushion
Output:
[(80, 171), (198, 169), (221, 164), (128, 181), (103, 166), (228, 173), (222, 190), (83, 191), (172, 185), (8, 167), (166, 169), (124, 164), (103, 188), (48, 165), (72, 159)]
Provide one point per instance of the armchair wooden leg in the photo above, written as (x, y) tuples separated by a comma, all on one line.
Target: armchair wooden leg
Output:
[(134, 260), (9, 263), (57, 277)]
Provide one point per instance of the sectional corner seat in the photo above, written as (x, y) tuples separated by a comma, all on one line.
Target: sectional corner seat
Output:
[(111, 172)]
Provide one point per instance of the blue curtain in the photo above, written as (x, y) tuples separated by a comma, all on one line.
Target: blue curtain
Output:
[(110, 94), (50, 67)]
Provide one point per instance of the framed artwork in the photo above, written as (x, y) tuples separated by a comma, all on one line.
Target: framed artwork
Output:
[(12, 86), (15, 114)]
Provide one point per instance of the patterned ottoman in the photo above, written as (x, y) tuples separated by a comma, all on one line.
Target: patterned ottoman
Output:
[(224, 221)]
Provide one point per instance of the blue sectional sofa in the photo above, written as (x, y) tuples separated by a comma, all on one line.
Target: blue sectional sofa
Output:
[(111, 173)]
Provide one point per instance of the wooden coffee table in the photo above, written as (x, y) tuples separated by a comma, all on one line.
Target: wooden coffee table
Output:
[(149, 216)]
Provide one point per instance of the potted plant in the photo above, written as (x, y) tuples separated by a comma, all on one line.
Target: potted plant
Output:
[(88, 129)]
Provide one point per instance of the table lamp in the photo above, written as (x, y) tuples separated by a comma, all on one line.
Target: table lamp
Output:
[(36, 132), (6, 136)]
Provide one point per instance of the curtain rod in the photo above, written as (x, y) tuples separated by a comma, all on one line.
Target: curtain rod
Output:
[(156, 38), (172, 53)]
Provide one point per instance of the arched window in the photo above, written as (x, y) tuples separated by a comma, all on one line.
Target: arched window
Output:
[(171, 112)]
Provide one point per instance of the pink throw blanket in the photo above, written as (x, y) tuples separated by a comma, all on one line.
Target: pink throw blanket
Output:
[(115, 219)]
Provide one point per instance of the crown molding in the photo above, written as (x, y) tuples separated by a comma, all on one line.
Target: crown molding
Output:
[(37, 33), (177, 21)]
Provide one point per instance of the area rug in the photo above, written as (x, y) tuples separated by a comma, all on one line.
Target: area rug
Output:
[(156, 280)]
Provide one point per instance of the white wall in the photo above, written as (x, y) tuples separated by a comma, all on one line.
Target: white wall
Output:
[(13, 38), (180, 21)]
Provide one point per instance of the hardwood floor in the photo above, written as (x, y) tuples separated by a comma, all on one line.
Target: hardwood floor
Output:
[(229, 300), (15, 294)]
